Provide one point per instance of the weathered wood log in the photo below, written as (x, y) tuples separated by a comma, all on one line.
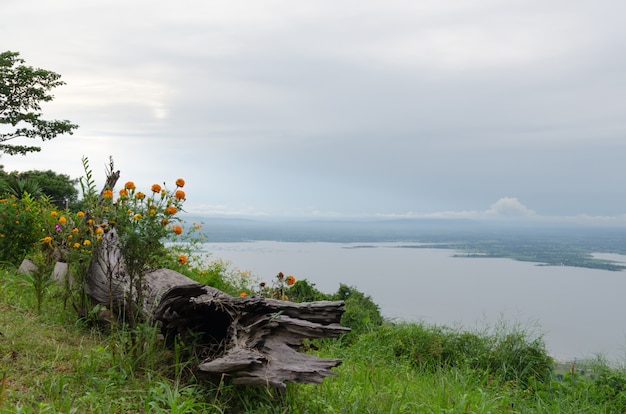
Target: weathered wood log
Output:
[(253, 340)]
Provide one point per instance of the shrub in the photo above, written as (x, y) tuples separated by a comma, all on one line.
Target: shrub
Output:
[(21, 226), (362, 314)]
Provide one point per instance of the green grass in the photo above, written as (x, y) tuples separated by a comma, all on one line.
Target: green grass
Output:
[(52, 363)]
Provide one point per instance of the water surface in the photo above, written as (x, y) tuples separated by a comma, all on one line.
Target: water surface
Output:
[(580, 311)]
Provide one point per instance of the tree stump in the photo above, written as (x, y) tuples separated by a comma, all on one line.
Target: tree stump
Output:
[(253, 340)]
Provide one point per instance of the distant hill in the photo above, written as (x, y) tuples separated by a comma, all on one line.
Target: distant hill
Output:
[(550, 244), (238, 229)]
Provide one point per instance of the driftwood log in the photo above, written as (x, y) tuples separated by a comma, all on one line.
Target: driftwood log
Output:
[(253, 340)]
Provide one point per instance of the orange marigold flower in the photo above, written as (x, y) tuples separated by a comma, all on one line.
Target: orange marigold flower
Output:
[(171, 210), (140, 195), (90, 222), (53, 213), (99, 230), (123, 192), (243, 294), (179, 195), (177, 229), (75, 230), (47, 240), (62, 220), (156, 188), (290, 280), (164, 222), (180, 183), (107, 194), (130, 185), (182, 259), (86, 242), (80, 214)]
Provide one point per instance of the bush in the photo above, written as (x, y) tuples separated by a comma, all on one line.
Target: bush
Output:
[(362, 314), (21, 226)]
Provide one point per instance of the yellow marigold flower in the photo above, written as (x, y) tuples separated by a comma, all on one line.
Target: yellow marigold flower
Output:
[(152, 212), (76, 245), (107, 194), (47, 240), (62, 220), (177, 229), (123, 192), (99, 230), (75, 230), (129, 185), (290, 280), (180, 183), (70, 237), (53, 213), (182, 259), (137, 216), (80, 214), (285, 297), (86, 242), (90, 222), (179, 195), (171, 210), (243, 294), (163, 193), (140, 195)]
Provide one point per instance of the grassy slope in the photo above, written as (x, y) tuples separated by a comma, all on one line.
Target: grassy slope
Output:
[(50, 363)]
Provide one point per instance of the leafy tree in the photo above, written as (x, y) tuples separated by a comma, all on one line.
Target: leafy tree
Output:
[(22, 90), (59, 188)]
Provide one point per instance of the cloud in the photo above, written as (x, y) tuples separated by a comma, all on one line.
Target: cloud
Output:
[(509, 207), (334, 108)]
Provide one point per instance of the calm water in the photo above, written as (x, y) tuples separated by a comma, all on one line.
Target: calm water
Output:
[(581, 312)]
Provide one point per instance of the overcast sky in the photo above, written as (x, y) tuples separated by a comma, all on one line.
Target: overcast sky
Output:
[(340, 108)]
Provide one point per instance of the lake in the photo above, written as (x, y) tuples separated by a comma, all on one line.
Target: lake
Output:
[(580, 312)]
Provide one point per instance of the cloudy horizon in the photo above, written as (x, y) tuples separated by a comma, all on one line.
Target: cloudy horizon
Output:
[(341, 109)]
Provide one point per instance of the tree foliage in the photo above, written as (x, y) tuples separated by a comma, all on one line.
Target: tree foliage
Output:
[(22, 91), (59, 188)]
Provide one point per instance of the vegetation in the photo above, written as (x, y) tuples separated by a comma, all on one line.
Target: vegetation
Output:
[(54, 359), (59, 188), (53, 363), (22, 91)]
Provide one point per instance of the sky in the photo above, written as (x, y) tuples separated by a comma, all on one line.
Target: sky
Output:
[(331, 108)]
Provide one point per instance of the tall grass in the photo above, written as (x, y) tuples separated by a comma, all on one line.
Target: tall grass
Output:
[(50, 363)]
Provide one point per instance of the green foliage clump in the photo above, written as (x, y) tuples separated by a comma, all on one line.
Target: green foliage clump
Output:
[(506, 356), (22, 91), (60, 189), (362, 314), (21, 226)]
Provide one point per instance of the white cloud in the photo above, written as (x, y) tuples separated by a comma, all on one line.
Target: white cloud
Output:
[(509, 207)]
